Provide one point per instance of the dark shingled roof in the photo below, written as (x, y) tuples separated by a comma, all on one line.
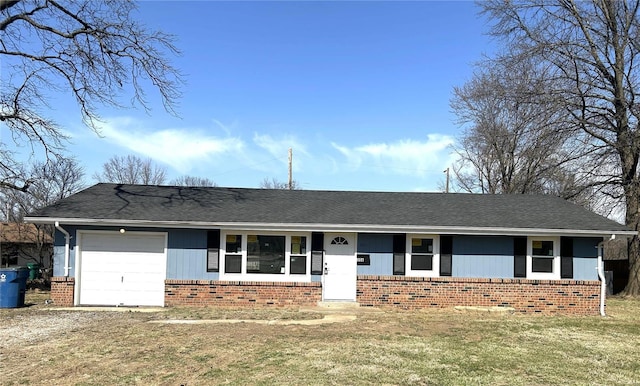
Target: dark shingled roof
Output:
[(238, 205)]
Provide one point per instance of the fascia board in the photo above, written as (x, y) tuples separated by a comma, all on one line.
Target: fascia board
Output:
[(363, 228)]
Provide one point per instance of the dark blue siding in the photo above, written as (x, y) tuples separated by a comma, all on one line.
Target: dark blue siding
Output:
[(482, 256), (379, 247), (187, 255), (585, 260), (186, 252), (483, 245)]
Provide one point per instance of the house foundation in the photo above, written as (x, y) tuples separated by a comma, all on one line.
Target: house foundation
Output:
[(567, 297), (563, 297)]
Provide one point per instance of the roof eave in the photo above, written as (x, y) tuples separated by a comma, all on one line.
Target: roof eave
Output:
[(363, 228)]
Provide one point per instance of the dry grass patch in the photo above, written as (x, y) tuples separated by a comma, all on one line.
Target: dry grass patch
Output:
[(393, 347)]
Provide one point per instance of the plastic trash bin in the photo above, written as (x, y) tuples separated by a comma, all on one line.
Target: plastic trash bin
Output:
[(13, 286), (34, 270)]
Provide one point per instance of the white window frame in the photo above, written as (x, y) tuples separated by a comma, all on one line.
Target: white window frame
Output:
[(435, 266), (244, 276), (555, 275)]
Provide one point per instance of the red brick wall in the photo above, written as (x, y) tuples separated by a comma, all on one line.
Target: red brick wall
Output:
[(574, 297), (62, 291), (240, 293)]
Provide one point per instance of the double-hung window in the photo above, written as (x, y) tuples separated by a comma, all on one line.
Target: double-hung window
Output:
[(543, 258), (233, 254), (422, 255), (298, 256)]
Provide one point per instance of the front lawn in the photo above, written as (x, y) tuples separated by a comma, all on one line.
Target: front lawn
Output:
[(443, 347)]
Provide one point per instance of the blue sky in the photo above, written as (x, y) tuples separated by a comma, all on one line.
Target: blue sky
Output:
[(360, 91)]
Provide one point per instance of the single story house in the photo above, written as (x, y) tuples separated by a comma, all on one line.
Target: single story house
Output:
[(139, 245), (22, 243)]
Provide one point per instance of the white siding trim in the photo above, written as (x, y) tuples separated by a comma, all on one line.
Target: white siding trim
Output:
[(337, 228), (555, 275)]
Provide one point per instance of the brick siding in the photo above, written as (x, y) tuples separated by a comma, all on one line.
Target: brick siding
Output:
[(62, 291), (571, 297), (241, 293)]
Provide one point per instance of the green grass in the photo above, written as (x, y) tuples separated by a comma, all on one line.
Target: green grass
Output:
[(441, 347)]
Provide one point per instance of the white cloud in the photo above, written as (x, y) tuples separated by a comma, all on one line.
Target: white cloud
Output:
[(408, 157), (279, 147), (182, 149)]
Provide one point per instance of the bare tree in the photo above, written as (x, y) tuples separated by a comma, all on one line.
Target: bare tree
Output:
[(131, 169), (515, 140), (273, 183), (92, 51), (592, 52), (193, 181), (51, 181)]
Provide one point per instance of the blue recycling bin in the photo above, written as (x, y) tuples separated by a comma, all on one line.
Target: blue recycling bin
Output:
[(13, 286)]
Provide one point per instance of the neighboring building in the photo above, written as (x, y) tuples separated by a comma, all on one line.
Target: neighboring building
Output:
[(164, 245), (24, 243)]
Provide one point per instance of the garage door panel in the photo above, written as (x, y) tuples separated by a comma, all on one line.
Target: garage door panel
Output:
[(127, 269), (123, 243)]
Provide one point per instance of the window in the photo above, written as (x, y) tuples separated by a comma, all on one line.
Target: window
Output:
[(265, 254), (339, 241), (265, 257), (233, 254), (542, 256), (421, 254), (298, 257)]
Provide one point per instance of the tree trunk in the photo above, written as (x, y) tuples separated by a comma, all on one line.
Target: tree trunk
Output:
[(632, 217), (633, 285)]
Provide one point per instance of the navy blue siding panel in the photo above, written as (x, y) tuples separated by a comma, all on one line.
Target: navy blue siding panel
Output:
[(186, 252), (483, 245), (585, 268), (585, 246), (375, 243), (381, 264), (187, 255), (482, 257), (585, 260), (379, 247)]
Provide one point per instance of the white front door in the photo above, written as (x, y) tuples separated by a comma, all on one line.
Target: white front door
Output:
[(122, 268), (340, 267)]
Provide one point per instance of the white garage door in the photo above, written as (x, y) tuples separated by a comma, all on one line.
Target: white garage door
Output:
[(122, 269)]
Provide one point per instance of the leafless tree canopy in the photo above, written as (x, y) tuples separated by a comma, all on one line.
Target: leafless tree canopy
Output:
[(514, 139), (273, 183), (92, 51), (52, 181), (193, 181), (131, 170), (590, 49)]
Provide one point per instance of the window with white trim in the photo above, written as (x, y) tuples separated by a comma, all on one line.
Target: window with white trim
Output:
[(298, 257), (422, 256), (543, 258), (265, 256), (233, 254)]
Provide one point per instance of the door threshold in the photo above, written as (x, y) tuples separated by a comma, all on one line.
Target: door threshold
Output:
[(338, 304)]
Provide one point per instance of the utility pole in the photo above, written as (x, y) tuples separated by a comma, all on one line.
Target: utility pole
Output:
[(290, 168), (446, 189)]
